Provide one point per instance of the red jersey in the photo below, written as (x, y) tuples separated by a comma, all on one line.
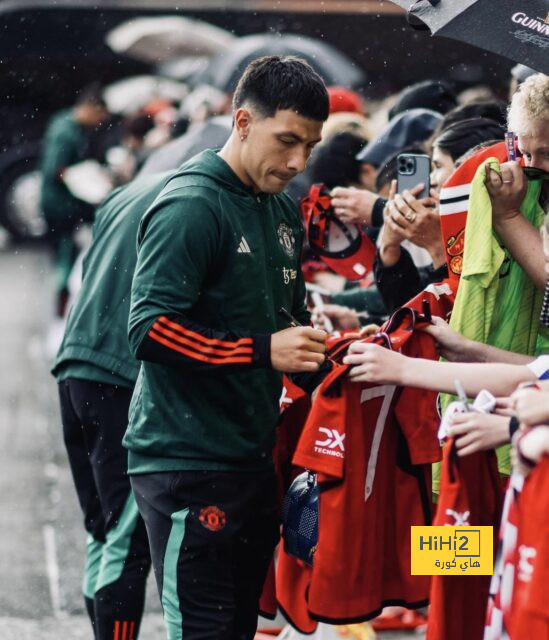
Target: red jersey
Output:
[(371, 447), (294, 407), (470, 494), (501, 586), (529, 618)]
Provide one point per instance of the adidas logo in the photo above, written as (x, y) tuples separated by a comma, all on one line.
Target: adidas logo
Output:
[(243, 247)]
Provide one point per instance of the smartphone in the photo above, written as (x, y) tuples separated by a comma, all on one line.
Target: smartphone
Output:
[(413, 168), (510, 144)]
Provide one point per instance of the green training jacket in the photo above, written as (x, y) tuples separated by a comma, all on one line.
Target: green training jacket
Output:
[(95, 344), (215, 264), (65, 143)]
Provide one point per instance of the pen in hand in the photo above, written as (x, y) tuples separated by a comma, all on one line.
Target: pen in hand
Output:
[(289, 317), (293, 322)]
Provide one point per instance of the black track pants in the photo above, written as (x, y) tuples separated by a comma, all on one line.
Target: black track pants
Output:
[(212, 536), (95, 417)]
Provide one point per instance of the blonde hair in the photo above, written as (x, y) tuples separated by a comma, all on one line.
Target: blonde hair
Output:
[(529, 108), (343, 121)]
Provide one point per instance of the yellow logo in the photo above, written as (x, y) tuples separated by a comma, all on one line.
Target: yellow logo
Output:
[(460, 550)]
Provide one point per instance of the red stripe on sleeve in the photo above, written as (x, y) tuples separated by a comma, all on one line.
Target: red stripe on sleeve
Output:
[(237, 351), (241, 342), (198, 356)]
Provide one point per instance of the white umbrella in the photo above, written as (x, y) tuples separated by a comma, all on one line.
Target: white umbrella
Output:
[(225, 69), (130, 94), (165, 38)]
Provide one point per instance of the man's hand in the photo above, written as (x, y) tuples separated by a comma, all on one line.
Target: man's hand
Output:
[(531, 406), (451, 344), (352, 205), (478, 432), (507, 191), (369, 330), (373, 363), (298, 349), (342, 318)]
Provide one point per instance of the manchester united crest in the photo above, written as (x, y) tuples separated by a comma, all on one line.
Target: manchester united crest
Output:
[(212, 518), (286, 239)]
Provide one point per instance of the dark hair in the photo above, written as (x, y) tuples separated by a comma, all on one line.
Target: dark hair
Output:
[(273, 82), (427, 94), (91, 94), (473, 150), (388, 170), (462, 136), (493, 109), (334, 162)]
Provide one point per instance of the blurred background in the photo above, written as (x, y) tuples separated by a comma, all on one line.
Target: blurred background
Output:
[(50, 51)]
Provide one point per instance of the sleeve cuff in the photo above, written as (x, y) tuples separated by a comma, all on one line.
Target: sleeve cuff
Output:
[(404, 263), (514, 425), (377, 212), (540, 367), (261, 357), (440, 273)]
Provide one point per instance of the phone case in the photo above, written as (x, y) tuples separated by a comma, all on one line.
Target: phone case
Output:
[(413, 168)]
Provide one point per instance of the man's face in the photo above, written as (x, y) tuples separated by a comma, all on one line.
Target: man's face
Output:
[(93, 116), (535, 147), (277, 148)]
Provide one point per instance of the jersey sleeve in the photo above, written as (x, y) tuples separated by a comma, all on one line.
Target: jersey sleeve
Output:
[(179, 244), (540, 367)]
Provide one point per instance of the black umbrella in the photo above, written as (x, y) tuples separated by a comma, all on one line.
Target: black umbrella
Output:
[(516, 29), (225, 69)]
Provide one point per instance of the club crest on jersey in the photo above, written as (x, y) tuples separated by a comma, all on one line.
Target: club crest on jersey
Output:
[(331, 444), (286, 239), (212, 518)]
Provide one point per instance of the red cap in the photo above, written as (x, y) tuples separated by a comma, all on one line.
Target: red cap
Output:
[(342, 99), (345, 248)]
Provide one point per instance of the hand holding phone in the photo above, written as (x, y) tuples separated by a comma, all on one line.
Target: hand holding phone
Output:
[(413, 169)]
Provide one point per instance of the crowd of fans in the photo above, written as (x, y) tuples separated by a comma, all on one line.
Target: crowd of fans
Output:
[(357, 161)]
